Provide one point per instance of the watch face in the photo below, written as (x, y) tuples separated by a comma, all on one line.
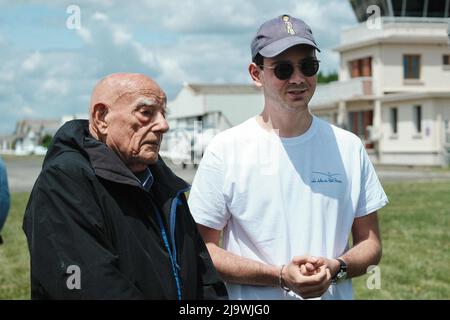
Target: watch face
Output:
[(342, 273)]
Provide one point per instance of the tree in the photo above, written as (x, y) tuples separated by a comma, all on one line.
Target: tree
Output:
[(45, 142), (326, 78)]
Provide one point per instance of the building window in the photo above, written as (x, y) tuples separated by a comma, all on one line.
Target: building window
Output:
[(418, 118), (361, 67), (446, 59), (358, 123), (415, 8), (438, 8), (394, 120), (411, 66), (447, 131)]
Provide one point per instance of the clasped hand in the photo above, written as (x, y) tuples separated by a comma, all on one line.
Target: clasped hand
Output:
[(307, 276)]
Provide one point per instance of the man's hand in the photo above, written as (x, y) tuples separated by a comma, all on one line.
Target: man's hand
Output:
[(307, 276), (333, 265), (309, 268)]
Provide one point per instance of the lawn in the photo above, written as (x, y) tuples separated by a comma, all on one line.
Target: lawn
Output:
[(415, 230), (14, 257)]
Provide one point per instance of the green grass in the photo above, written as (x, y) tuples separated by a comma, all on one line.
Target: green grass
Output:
[(14, 257), (438, 169), (415, 228)]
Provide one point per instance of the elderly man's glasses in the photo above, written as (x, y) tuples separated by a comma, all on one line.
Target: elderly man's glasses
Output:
[(284, 70)]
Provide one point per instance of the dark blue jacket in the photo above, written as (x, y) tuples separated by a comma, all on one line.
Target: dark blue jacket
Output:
[(4, 195), (88, 215)]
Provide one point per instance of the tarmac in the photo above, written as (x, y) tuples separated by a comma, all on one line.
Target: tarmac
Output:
[(24, 170)]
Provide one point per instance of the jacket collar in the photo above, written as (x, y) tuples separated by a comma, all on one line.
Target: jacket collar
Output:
[(146, 178), (107, 165)]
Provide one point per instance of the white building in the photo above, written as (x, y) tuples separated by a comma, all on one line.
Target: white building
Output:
[(217, 106), (200, 111), (30, 133), (394, 86), (393, 89)]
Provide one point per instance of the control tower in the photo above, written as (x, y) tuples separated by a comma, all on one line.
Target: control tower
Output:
[(403, 8)]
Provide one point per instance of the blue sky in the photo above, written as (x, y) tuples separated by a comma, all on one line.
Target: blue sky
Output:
[(48, 70)]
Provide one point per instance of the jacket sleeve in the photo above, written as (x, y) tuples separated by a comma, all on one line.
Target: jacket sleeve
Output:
[(71, 254), (210, 285), (4, 195)]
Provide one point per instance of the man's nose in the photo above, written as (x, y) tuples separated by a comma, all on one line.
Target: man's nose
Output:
[(297, 76), (161, 123)]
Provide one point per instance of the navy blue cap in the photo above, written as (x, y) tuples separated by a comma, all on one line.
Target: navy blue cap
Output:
[(277, 35)]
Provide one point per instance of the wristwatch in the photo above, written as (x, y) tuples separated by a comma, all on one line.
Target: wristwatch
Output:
[(342, 272)]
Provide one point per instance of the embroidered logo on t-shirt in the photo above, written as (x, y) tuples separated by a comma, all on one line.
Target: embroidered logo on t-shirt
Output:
[(322, 177)]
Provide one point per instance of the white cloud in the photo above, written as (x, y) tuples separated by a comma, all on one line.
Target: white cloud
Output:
[(121, 37), (171, 41), (146, 56), (207, 16), (99, 16), (3, 41), (84, 34), (53, 86), (32, 62), (7, 76), (27, 111)]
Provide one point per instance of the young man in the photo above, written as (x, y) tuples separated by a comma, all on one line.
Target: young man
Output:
[(287, 188), (107, 219)]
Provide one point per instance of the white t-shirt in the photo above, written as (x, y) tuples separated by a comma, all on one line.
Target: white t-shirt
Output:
[(277, 198)]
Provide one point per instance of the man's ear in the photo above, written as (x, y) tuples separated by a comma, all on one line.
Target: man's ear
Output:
[(255, 73), (99, 118)]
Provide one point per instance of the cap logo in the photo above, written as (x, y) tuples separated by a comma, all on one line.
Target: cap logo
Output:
[(288, 24)]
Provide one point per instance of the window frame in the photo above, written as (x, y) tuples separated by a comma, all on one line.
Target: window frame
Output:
[(444, 58), (411, 66), (418, 118), (393, 119)]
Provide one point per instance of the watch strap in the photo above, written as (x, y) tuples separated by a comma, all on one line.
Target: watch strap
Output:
[(342, 269)]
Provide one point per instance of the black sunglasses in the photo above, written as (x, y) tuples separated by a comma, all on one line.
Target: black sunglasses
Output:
[(284, 70)]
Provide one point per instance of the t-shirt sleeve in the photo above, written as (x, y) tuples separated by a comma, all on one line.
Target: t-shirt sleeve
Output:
[(372, 196), (207, 199)]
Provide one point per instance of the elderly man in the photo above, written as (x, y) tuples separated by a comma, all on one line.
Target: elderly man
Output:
[(107, 219)]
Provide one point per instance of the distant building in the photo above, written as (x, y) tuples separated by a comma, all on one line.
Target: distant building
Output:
[(393, 89), (29, 134), (200, 111), (6, 144), (216, 105), (394, 83), (403, 8)]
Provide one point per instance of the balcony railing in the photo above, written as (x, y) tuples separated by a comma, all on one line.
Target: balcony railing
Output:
[(331, 93), (398, 27)]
